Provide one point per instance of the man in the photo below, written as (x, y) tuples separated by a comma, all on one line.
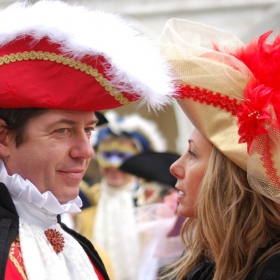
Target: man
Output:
[(58, 64)]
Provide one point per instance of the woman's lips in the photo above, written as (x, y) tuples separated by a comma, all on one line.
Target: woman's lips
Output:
[(181, 195)]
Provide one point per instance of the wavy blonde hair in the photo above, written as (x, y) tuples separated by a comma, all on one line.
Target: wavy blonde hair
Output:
[(233, 222)]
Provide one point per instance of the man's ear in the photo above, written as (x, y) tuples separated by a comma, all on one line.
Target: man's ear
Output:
[(4, 146)]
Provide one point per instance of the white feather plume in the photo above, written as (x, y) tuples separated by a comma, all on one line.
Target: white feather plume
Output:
[(135, 122)]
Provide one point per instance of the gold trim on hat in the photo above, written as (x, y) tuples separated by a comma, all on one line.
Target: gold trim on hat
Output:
[(78, 65)]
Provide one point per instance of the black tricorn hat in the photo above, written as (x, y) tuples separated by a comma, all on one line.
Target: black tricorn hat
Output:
[(152, 166), (101, 118)]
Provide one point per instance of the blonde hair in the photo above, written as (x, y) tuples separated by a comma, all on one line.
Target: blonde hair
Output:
[(233, 222)]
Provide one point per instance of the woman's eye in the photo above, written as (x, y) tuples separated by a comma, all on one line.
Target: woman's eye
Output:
[(192, 154)]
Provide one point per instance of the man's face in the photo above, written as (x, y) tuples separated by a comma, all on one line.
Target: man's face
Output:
[(56, 152)]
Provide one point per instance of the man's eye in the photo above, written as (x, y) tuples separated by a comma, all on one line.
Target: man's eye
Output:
[(89, 132), (89, 129), (61, 130)]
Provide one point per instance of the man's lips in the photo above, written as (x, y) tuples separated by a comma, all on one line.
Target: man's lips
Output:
[(74, 173)]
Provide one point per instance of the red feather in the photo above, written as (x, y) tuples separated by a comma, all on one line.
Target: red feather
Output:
[(263, 59)]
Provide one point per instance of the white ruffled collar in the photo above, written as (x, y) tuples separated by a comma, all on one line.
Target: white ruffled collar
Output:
[(32, 206)]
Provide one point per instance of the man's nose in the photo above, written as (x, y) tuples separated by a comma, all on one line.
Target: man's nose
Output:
[(82, 148)]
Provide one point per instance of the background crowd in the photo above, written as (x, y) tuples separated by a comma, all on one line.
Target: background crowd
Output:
[(146, 212)]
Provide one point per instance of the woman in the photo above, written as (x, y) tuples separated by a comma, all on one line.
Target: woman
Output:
[(229, 179)]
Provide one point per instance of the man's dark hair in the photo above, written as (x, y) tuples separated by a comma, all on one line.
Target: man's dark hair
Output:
[(17, 120)]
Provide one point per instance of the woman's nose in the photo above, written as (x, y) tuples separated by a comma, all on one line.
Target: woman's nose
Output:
[(177, 169)]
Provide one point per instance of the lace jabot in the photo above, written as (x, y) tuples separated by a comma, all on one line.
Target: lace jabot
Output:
[(32, 206)]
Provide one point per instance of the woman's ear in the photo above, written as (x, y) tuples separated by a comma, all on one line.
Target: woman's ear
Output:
[(4, 146)]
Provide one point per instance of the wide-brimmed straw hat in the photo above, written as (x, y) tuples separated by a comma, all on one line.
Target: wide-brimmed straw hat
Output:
[(54, 55), (230, 92)]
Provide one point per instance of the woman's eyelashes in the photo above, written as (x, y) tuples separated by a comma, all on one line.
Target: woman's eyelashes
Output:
[(191, 153)]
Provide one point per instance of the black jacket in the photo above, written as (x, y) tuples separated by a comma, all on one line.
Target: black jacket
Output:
[(9, 229), (269, 270)]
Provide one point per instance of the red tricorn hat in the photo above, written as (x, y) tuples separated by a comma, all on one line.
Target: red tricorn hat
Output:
[(53, 55)]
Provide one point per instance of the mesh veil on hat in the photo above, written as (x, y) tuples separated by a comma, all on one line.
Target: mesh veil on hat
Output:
[(54, 55), (230, 92)]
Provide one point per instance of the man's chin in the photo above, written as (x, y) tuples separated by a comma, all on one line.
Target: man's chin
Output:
[(67, 197)]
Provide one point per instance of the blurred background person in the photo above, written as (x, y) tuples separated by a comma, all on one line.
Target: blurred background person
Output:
[(111, 217), (152, 170), (157, 223)]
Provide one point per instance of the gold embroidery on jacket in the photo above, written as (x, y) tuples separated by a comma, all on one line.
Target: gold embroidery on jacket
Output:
[(16, 258)]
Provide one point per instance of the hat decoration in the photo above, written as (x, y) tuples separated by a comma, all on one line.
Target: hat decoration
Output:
[(54, 55), (261, 90), (230, 92)]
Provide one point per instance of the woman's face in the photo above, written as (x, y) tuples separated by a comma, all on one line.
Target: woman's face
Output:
[(189, 170)]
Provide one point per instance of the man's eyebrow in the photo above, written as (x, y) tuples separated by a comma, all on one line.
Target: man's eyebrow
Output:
[(72, 122), (95, 121)]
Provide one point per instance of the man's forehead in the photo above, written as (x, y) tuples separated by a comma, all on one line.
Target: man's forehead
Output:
[(53, 116)]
